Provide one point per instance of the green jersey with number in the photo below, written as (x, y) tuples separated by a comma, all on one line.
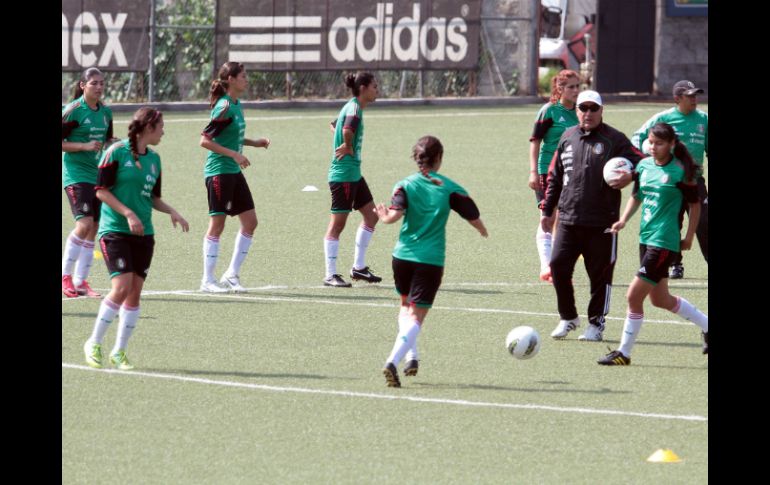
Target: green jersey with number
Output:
[(133, 184), (658, 190), (82, 125), (551, 121), (348, 168), (423, 232), (227, 128), (692, 130)]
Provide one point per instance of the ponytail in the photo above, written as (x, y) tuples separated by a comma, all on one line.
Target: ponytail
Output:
[(355, 81), (142, 118), (77, 89), (666, 132), (221, 84)]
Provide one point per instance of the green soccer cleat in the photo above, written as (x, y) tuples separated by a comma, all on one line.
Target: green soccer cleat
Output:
[(93, 354), (120, 361)]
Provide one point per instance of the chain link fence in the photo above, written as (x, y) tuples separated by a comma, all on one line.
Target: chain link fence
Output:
[(183, 44)]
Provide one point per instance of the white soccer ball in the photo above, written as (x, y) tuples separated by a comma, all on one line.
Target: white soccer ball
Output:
[(615, 167), (523, 342), (646, 147)]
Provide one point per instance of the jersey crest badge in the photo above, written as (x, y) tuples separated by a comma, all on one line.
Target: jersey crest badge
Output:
[(599, 148), (664, 178)]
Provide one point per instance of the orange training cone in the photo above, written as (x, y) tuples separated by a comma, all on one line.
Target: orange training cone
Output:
[(664, 456)]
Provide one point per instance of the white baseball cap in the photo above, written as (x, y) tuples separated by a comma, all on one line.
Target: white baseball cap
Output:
[(589, 95)]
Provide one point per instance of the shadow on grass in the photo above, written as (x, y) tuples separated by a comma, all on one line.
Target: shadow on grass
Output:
[(91, 316), (571, 390), (247, 375)]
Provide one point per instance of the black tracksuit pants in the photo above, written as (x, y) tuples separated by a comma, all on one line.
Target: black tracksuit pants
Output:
[(599, 249)]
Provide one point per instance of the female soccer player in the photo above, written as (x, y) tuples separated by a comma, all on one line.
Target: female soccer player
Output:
[(129, 184), (228, 192), (423, 200), (663, 181), (86, 126), (348, 187), (554, 117)]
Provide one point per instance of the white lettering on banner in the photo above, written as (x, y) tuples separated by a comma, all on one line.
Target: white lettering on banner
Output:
[(85, 32), (346, 37)]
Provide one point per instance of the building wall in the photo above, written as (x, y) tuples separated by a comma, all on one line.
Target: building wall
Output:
[(681, 50)]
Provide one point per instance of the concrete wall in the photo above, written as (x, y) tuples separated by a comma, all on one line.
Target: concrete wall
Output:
[(681, 50)]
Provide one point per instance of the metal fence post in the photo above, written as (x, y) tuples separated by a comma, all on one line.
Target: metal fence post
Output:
[(151, 73)]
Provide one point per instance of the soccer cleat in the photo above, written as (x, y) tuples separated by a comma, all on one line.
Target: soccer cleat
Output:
[(212, 287), (593, 333), (391, 375), (84, 289), (410, 369), (364, 274), (67, 287), (676, 272), (564, 327), (120, 361), (93, 354), (233, 282), (336, 280), (615, 357), (705, 342)]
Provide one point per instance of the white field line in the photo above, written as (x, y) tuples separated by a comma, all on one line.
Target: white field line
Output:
[(330, 392), (193, 293), (379, 116)]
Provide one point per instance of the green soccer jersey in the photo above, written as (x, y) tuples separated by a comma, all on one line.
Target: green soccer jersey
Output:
[(551, 121), (228, 128), (82, 125), (423, 232), (692, 130), (348, 168), (132, 184), (661, 201)]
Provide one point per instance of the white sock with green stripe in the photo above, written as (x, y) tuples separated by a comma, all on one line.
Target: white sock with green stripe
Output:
[(631, 329), (363, 236), (406, 339), (543, 242), (240, 251), (331, 248), (107, 311), (411, 354), (128, 317)]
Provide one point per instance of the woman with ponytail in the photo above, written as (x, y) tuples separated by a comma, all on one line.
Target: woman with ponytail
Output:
[(86, 127), (424, 200), (129, 185), (228, 192), (552, 120), (663, 182), (348, 187)]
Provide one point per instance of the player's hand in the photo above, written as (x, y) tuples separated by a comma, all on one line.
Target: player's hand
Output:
[(685, 244), (263, 143), (381, 210), (546, 223), (242, 161), (617, 227), (176, 217), (623, 180), (135, 225), (342, 150), (534, 181), (92, 146)]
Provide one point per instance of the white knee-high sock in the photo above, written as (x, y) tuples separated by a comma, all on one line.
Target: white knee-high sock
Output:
[(107, 311), (210, 255), (72, 249), (686, 310), (543, 241), (406, 339), (331, 248), (128, 317), (240, 251), (363, 236), (85, 259), (411, 354), (631, 329)]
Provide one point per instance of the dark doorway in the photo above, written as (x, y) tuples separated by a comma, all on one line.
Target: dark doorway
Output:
[(625, 55)]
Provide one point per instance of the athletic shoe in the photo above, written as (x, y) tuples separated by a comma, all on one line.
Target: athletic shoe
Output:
[(364, 274), (120, 361), (410, 369), (564, 327), (93, 354), (391, 375), (67, 287), (615, 357), (593, 333), (212, 287), (336, 280), (676, 272), (84, 289), (233, 282), (705, 342)]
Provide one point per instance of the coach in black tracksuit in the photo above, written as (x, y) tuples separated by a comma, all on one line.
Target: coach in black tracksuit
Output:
[(587, 209)]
